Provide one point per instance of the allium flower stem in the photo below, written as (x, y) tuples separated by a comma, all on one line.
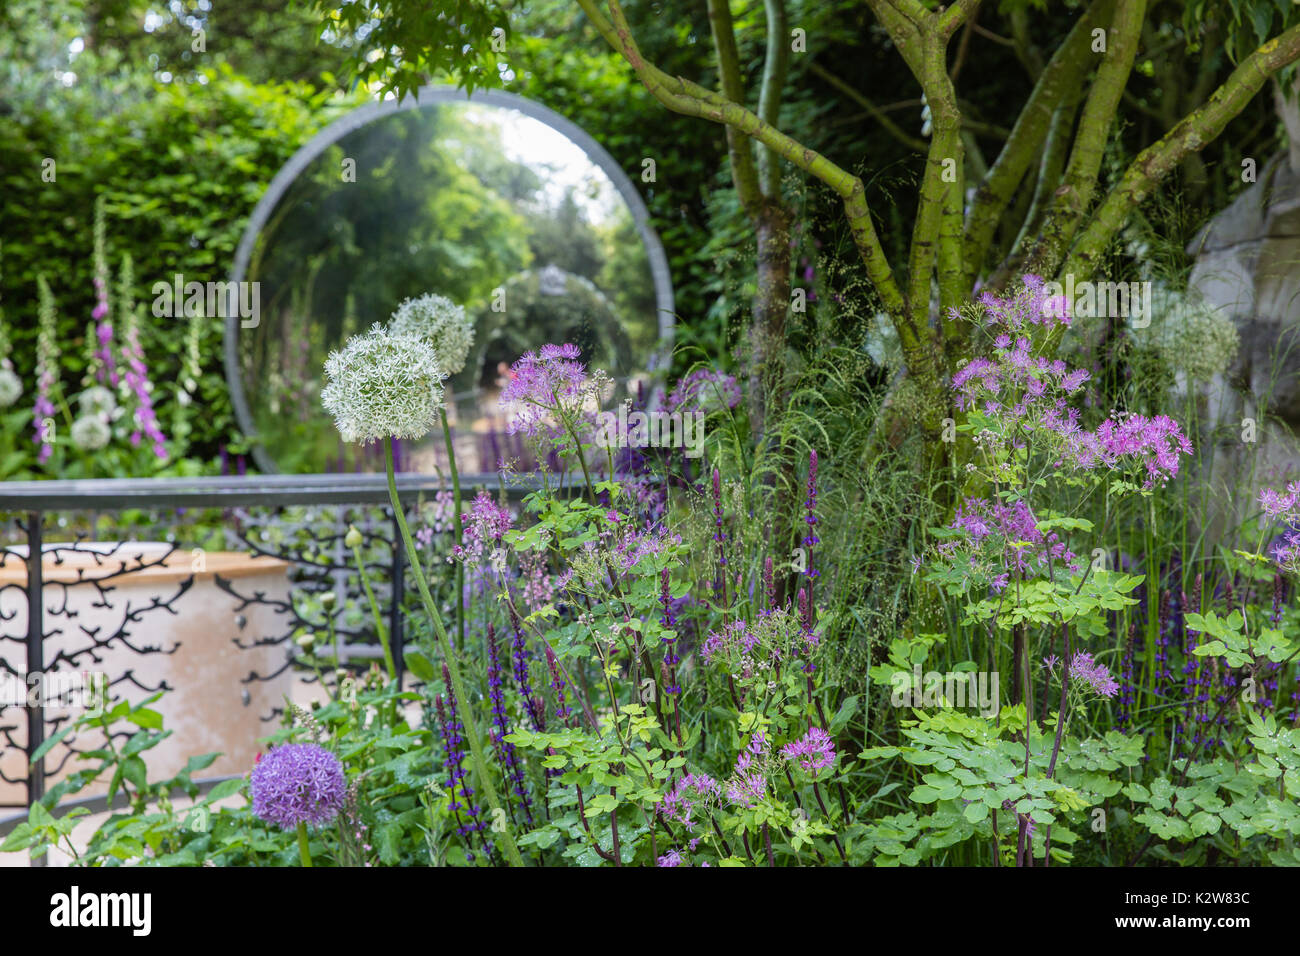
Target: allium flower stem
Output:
[(304, 851), (456, 528), (458, 685), (380, 629)]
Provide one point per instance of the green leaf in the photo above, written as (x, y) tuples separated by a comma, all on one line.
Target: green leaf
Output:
[(418, 663), (924, 794), (49, 742), (846, 712), (225, 789), (202, 762), (145, 718), (133, 769)]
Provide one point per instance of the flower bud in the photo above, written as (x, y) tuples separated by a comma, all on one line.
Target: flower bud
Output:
[(353, 538), (328, 600)]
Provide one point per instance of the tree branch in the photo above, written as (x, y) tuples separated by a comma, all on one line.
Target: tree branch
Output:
[(1049, 172), (1191, 135), (775, 68), (744, 174), (955, 15), (1063, 74), (1099, 111), (690, 99)]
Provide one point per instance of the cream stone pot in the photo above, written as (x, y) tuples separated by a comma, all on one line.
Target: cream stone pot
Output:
[(212, 706)]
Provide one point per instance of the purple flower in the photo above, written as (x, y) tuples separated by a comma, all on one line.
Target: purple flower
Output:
[(815, 751), (137, 379), (747, 789), (810, 507), (505, 750), (1010, 534), (688, 793), (671, 858), (1095, 676), (298, 783), (730, 640), (1276, 503), (534, 705), (462, 794), (484, 528), (548, 382)]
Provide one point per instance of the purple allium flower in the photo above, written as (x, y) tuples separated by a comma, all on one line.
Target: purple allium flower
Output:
[(548, 382), (298, 783), (1276, 503), (815, 751)]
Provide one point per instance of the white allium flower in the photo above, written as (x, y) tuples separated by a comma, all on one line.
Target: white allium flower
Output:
[(443, 323), (1193, 336), (90, 433), (98, 401), (1210, 343), (383, 385), (11, 387)]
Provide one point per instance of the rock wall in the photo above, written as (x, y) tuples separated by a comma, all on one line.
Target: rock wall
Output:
[(1248, 264)]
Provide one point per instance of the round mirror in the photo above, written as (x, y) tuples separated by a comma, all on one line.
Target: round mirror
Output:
[(494, 202)]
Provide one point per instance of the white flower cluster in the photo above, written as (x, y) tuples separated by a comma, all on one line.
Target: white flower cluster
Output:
[(384, 384), (1210, 343), (93, 428), (1195, 338), (11, 386), (442, 323), (98, 400), (91, 432)]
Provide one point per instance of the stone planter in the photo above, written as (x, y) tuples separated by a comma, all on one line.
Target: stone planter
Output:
[(199, 640)]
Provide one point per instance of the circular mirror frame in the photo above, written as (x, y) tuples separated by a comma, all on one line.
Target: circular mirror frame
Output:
[(426, 96)]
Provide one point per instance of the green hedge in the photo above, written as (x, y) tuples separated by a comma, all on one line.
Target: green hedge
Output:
[(180, 169)]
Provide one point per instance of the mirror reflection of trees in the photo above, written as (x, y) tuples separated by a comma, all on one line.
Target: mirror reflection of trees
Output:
[(477, 203)]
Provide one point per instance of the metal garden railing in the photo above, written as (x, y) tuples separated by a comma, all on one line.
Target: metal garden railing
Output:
[(316, 505)]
